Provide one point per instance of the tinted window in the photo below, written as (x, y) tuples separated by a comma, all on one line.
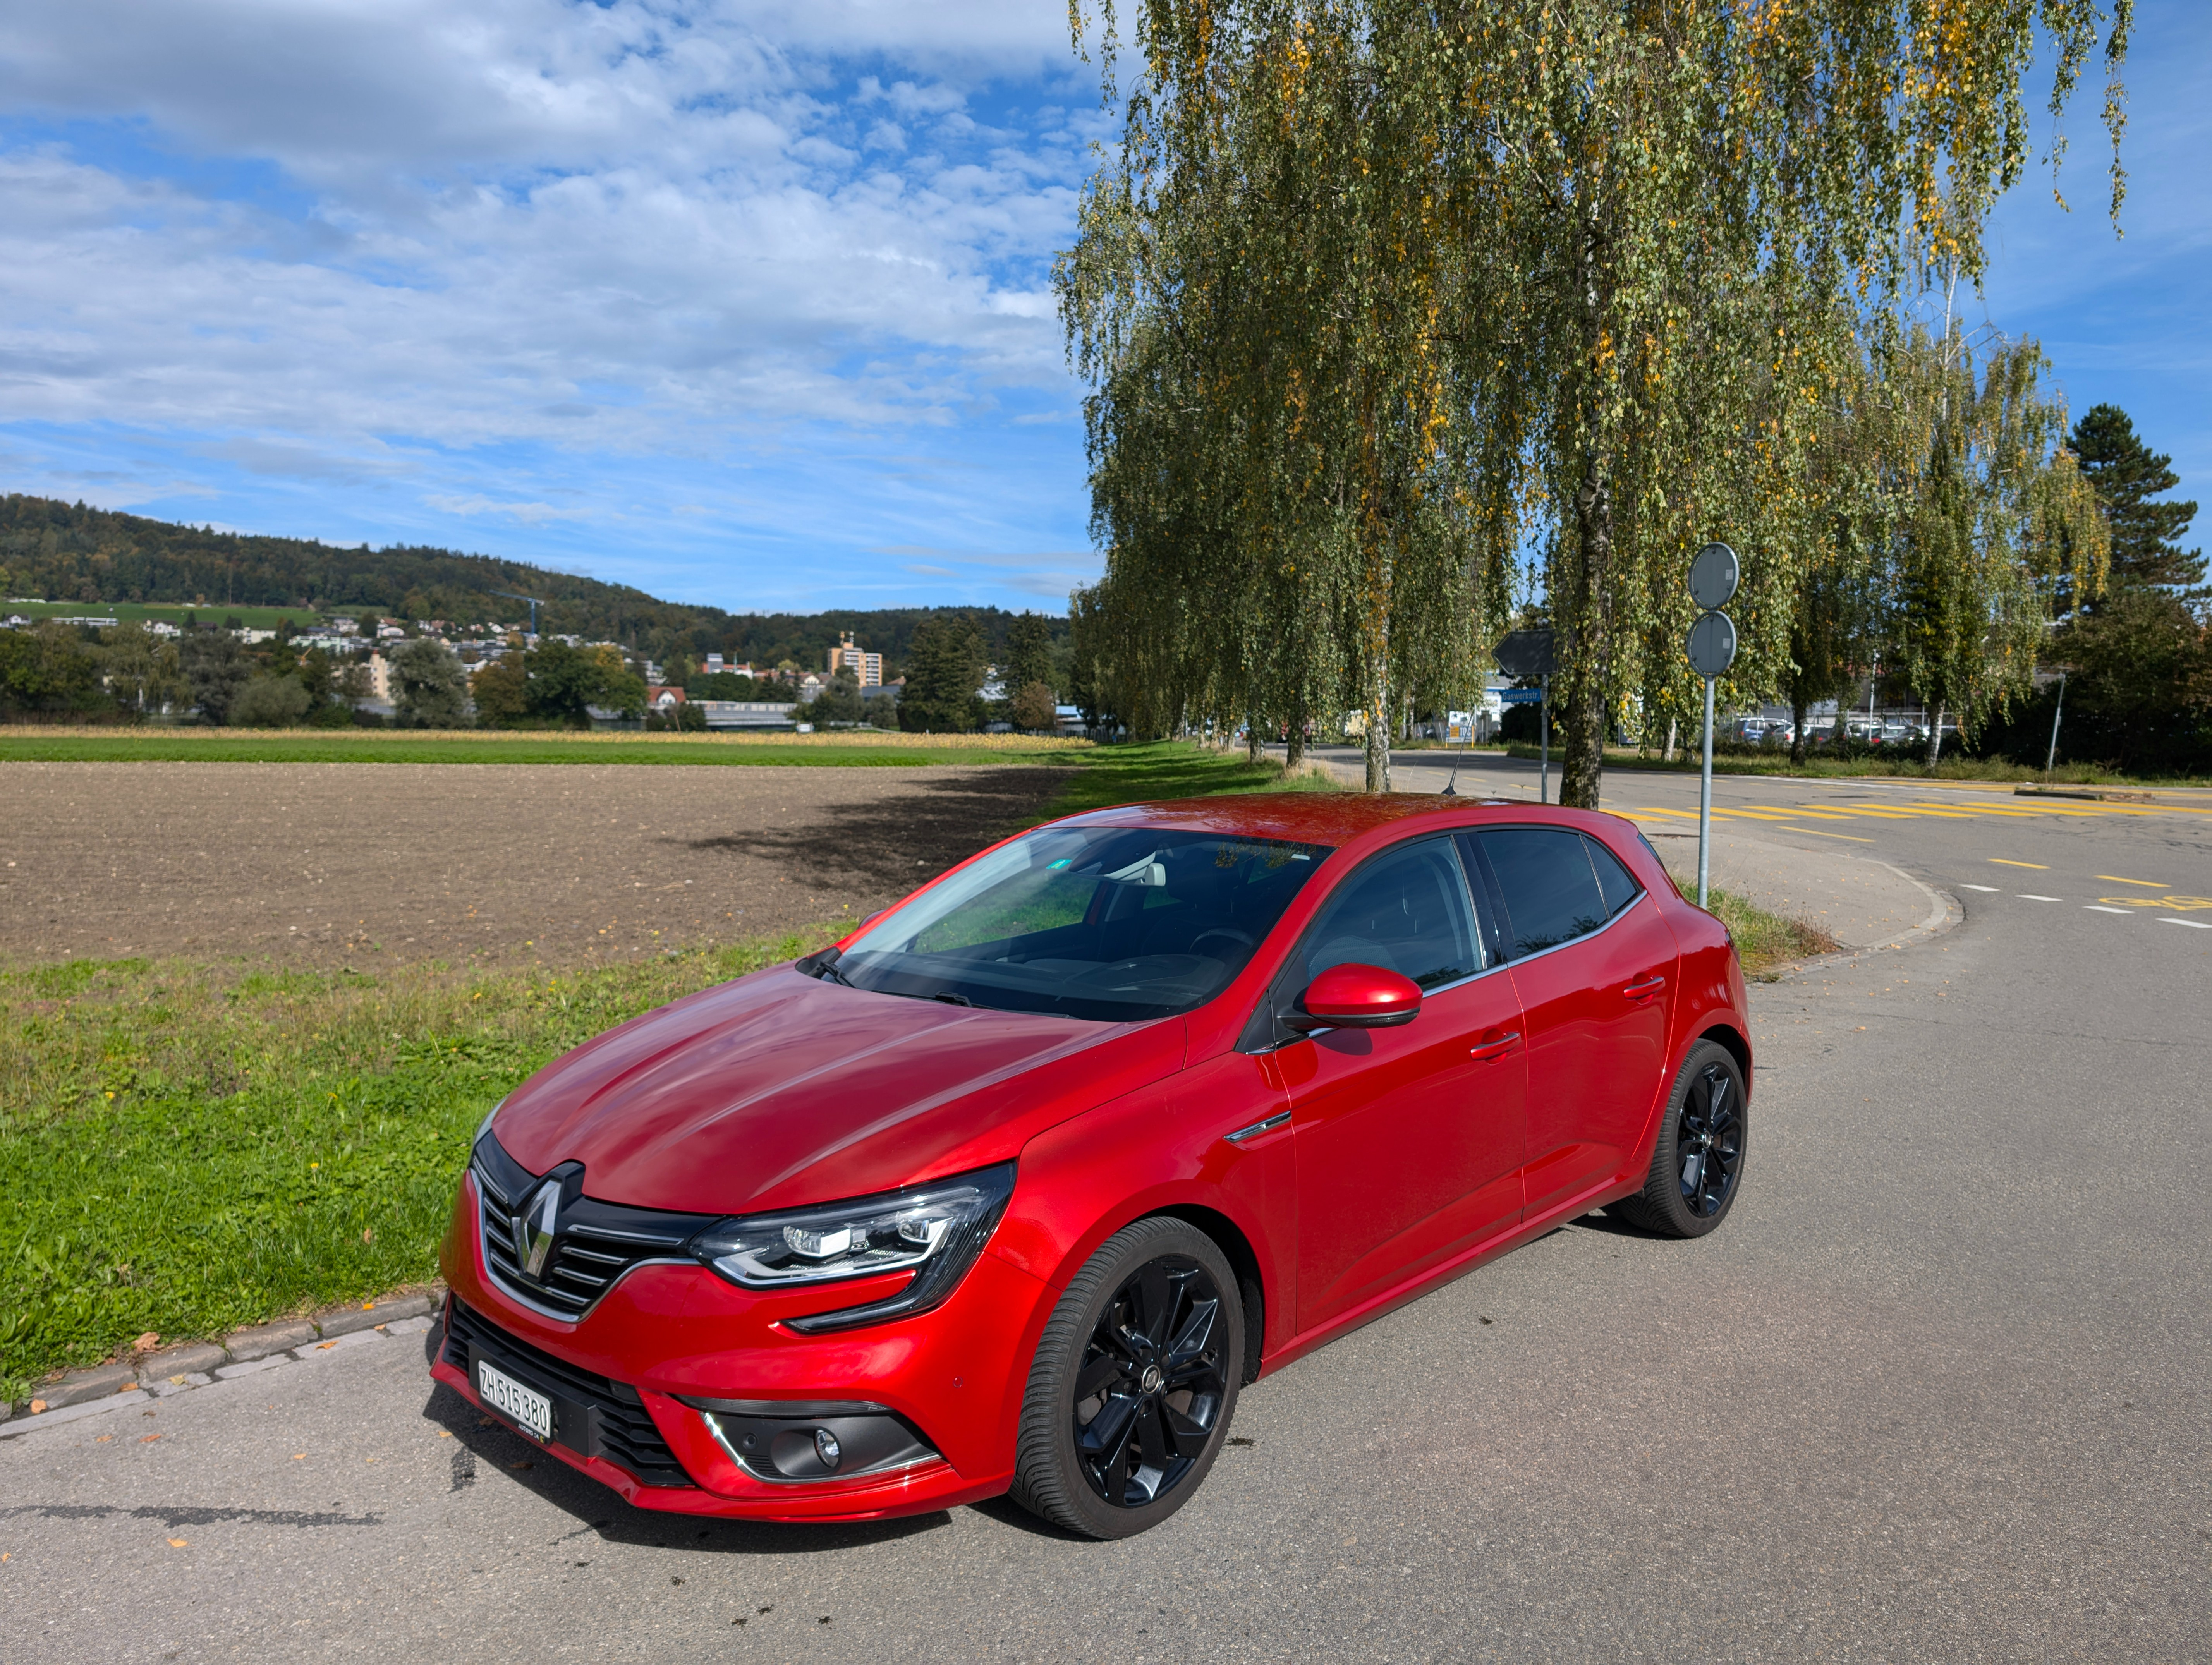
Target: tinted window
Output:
[(1614, 883), (1111, 923), (1545, 880), (1406, 911)]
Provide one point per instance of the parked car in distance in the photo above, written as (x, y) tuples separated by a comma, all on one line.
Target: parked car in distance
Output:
[(1016, 1187)]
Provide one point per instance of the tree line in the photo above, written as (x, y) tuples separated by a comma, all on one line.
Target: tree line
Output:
[(1405, 323), (70, 552), (80, 673)]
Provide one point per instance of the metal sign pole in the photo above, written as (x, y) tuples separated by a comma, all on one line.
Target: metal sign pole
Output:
[(1544, 746), (1705, 796), (1713, 576), (2050, 757)]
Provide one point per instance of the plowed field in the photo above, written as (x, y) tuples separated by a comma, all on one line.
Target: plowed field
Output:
[(367, 863)]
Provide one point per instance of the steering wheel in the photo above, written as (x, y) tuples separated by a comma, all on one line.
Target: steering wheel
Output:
[(1228, 931)]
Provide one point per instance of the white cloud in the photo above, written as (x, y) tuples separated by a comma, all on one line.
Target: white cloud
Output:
[(471, 221), (530, 514)]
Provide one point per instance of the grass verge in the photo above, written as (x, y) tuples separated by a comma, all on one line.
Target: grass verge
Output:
[(860, 750), (187, 1148), (1766, 942)]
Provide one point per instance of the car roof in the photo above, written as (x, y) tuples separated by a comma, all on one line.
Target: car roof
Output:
[(1334, 818)]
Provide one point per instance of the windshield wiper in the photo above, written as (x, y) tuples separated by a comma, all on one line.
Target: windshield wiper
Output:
[(951, 999), (824, 965)]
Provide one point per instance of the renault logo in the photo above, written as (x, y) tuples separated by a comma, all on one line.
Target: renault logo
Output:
[(533, 1228)]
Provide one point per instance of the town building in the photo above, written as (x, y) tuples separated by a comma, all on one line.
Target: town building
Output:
[(869, 667)]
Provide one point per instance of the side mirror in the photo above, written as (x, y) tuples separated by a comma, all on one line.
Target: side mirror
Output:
[(1354, 996)]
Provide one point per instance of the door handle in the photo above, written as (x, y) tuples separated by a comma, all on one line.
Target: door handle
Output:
[(1646, 989), (1495, 1045)]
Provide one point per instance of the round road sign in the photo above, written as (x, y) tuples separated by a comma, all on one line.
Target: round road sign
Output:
[(1712, 645), (1713, 576)]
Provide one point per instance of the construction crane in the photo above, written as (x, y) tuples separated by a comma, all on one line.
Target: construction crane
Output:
[(534, 604)]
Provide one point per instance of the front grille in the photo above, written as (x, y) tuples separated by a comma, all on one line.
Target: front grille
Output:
[(620, 1428), (594, 1243)]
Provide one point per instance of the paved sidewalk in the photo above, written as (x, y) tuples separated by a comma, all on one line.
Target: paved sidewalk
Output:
[(1861, 902)]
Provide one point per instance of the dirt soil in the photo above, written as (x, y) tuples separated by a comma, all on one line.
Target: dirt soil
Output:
[(362, 864)]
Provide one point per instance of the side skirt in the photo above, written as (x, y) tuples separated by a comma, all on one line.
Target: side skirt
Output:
[(1412, 1289)]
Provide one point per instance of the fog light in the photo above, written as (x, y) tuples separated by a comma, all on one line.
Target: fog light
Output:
[(825, 1447)]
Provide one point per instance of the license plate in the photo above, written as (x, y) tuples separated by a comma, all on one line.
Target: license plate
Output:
[(526, 1405)]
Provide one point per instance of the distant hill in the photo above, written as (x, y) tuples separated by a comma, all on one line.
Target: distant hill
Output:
[(68, 552)]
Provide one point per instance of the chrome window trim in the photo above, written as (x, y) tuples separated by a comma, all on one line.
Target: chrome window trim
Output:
[(1642, 892)]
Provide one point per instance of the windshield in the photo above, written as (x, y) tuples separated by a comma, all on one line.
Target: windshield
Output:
[(1109, 923)]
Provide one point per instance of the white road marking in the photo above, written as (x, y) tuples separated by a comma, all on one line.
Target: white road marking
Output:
[(2024, 896), (1991, 889), (2093, 909), (2193, 924)]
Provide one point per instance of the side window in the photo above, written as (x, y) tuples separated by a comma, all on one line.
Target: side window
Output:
[(1613, 882), (1544, 881), (1406, 911)]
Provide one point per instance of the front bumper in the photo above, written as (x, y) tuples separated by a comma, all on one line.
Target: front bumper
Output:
[(659, 1385)]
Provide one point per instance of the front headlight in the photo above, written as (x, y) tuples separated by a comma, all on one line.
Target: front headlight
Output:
[(934, 1231)]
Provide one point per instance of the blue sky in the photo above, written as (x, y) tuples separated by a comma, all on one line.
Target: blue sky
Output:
[(743, 301)]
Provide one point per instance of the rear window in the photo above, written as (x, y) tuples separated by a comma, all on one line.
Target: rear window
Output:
[(1545, 879), (1107, 923), (1613, 882)]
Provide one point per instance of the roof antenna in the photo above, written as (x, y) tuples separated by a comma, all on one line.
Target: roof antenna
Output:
[(1451, 790)]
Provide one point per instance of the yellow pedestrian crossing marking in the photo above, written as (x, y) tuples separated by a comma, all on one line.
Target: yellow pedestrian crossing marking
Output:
[(1960, 808)]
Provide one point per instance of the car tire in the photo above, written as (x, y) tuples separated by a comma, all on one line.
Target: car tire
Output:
[(1134, 1383), (1697, 1161)]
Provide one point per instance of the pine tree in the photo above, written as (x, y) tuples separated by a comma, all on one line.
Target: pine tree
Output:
[(2125, 474), (1028, 652), (945, 669)]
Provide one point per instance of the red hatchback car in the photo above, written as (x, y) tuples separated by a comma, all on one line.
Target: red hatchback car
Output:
[(1015, 1187)]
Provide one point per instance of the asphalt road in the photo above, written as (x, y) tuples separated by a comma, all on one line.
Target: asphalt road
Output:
[(1937, 1391)]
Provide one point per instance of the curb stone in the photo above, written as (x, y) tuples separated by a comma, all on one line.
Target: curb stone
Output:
[(166, 1388), (1945, 913), (194, 1356), (196, 1362), (266, 1338), (78, 1386), (24, 1424)]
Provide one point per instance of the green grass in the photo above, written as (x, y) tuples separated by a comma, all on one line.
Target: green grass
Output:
[(186, 1148), (134, 612), (232, 746), (1141, 772), (1765, 941)]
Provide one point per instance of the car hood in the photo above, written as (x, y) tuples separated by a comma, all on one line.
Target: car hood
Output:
[(779, 1089)]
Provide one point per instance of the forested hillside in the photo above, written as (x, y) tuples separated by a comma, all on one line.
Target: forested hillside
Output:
[(68, 552)]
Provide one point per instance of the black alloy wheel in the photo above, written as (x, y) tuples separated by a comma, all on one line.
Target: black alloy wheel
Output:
[(1697, 1162), (1150, 1390), (1709, 1138), (1135, 1381)]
